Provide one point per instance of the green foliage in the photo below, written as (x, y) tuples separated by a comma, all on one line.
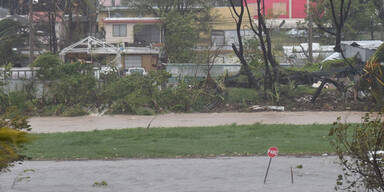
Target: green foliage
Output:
[(12, 137), (17, 100), (20, 100), (71, 89), (131, 94), (358, 146), (333, 65), (74, 89), (373, 80), (49, 65), (362, 16), (291, 91), (379, 54), (307, 68), (69, 84), (138, 94), (178, 26), (3, 101), (73, 111), (299, 166), (100, 184), (242, 96), (178, 99)]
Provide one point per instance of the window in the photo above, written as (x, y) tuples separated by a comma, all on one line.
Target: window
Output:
[(218, 38), (132, 61), (119, 30), (146, 34)]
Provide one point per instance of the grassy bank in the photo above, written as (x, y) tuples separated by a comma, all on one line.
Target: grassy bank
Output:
[(181, 142)]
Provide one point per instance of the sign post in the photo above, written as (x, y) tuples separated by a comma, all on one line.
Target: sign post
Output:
[(272, 152)]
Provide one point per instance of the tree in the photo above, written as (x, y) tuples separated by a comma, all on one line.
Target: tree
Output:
[(379, 4), (12, 35), (48, 64), (263, 34), (69, 84), (181, 37), (359, 148), (337, 12), (66, 10), (344, 18)]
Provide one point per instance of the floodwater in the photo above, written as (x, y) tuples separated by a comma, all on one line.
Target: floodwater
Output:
[(93, 122), (225, 174)]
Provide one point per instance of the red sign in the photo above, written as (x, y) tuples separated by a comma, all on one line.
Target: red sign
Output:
[(272, 152)]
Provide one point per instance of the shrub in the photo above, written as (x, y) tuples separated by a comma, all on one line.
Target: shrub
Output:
[(48, 64), (128, 94), (73, 111), (73, 90), (242, 96), (358, 147), (12, 137)]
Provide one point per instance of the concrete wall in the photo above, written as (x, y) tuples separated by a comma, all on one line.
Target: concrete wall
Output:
[(21, 85), (363, 54), (200, 70)]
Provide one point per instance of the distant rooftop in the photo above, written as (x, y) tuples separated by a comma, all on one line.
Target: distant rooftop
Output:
[(372, 44)]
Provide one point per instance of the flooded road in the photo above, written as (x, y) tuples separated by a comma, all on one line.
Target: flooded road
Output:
[(235, 174), (88, 123)]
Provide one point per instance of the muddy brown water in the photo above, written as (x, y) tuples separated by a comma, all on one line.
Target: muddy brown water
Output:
[(94, 122)]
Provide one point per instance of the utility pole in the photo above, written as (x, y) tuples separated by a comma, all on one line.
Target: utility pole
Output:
[(31, 33), (310, 33)]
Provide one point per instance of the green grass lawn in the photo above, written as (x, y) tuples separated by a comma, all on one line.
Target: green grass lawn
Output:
[(181, 142)]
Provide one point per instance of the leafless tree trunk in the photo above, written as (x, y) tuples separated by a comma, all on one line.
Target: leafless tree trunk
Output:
[(239, 51), (310, 33), (339, 17), (266, 44), (31, 32), (52, 27), (263, 34)]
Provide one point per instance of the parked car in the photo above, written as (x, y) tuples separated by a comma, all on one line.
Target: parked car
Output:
[(136, 70)]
